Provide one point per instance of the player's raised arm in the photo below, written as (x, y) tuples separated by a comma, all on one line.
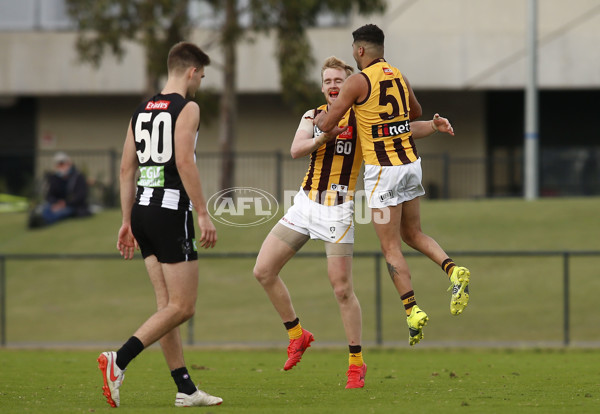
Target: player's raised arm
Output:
[(305, 141)]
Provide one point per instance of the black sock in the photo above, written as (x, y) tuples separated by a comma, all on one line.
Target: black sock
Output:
[(355, 349), (128, 351), (183, 381), (290, 325)]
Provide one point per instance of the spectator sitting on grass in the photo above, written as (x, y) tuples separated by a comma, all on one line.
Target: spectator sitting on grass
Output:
[(66, 196)]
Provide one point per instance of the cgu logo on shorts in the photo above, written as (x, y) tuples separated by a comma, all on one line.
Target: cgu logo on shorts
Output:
[(242, 206)]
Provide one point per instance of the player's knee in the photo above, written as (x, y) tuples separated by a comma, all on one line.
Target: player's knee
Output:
[(183, 311), (342, 293), (186, 312), (262, 274), (410, 237), (390, 249)]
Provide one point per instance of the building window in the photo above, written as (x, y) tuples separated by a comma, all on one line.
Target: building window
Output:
[(203, 15), (34, 15)]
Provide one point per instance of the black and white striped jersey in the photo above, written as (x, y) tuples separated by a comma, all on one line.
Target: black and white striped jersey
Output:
[(153, 125)]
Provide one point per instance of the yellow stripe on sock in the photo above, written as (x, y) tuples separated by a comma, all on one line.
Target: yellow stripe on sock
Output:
[(448, 266), (408, 304), (295, 332), (356, 359)]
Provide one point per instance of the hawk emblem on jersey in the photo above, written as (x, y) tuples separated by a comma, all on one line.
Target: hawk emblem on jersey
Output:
[(387, 71), (342, 189)]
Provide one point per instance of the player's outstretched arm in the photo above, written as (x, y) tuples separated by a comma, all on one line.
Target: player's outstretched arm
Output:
[(422, 129)]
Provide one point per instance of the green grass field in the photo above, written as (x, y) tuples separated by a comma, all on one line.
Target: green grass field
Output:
[(459, 367), (251, 381), (43, 294)]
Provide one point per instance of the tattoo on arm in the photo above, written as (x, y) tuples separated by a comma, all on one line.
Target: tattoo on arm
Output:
[(393, 271)]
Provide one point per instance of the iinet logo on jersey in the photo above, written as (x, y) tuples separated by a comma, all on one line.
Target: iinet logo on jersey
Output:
[(157, 105), (387, 71)]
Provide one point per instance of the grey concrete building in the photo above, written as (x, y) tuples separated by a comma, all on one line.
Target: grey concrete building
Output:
[(464, 58)]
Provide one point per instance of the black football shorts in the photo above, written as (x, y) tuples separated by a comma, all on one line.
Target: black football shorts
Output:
[(166, 234)]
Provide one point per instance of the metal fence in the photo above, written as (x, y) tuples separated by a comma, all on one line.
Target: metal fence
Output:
[(444, 176), (564, 256)]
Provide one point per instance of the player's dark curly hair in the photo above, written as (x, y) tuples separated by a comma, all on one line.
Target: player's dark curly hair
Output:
[(369, 33)]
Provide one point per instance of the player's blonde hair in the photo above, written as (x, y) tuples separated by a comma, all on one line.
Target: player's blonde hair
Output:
[(334, 63)]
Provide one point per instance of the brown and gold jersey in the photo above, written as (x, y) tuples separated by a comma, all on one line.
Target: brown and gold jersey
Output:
[(382, 119), (334, 166)]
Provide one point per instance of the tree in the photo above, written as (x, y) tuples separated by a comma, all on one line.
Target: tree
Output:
[(231, 33), (158, 24), (106, 24), (290, 19)]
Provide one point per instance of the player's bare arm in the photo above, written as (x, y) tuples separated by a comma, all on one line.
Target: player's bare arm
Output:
[(353, 90), (185, 138), (422, 129), (305, 142), (126, 243), (415, 107)]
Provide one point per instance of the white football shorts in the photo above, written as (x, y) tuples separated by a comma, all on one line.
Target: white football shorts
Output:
[(387, 186), (334, 224)]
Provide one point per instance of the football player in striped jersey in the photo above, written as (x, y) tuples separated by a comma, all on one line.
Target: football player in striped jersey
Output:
[(384, 104), (323, 209), (157, 217)]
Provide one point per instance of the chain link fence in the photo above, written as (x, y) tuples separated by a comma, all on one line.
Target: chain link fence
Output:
[(535, 298), (563, 172)]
